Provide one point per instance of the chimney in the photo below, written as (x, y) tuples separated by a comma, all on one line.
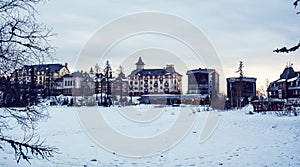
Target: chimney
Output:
[(66, 64)]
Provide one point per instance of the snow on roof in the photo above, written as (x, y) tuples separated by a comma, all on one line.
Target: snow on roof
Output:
[(292, 79), (153, 72), (200, 70), (281, 80), (245, 79), (44, 67)]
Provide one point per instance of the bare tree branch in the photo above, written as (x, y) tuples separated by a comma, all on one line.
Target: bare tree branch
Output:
[(22, 41), (294, 48), (24, 150), (287, 50)]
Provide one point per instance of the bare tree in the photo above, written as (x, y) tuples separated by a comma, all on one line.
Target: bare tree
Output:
[(97, 68), (22, 41), (293, 48)]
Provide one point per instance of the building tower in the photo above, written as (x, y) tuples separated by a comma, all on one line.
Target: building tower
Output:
[(140, 64)]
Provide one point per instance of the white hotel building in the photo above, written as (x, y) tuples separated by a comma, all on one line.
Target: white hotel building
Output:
[(154, 81)]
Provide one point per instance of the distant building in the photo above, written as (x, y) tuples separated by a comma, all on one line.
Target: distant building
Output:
[(42, 75), (239, 90), (154, 81), (287, 86), (75, 84), (120, 85), (203, 81)]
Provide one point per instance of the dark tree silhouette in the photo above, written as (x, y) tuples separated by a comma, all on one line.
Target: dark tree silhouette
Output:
[(296, 4), (240, 69), (108, 77), (22, 41), (294, 48)]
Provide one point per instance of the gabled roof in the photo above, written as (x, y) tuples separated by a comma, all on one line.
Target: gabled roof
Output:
[(288, 73), (121, 75)]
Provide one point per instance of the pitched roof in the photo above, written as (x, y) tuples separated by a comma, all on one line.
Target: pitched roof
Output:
[(121, 75), (153, 72), (148, 72), (288, 73), (43, 67), (140, 62)]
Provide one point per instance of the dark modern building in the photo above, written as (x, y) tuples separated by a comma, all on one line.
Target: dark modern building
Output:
[(204, 82), (240, 90)]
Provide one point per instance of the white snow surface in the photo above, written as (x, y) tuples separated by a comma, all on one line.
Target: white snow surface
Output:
[(240, 139)]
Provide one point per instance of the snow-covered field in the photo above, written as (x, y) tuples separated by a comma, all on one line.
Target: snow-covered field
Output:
[(238, 140)]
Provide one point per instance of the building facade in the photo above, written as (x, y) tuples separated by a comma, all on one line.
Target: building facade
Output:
[(42, 76), (240, 90), (75, 84), (287, 86), (203, 81), (120, 85), (154, 81)]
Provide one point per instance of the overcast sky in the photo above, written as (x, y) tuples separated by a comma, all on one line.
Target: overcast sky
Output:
[(237, 30)]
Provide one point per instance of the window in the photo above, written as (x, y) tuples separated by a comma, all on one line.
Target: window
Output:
[(150, 88), (151, 82), (135, 82)]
